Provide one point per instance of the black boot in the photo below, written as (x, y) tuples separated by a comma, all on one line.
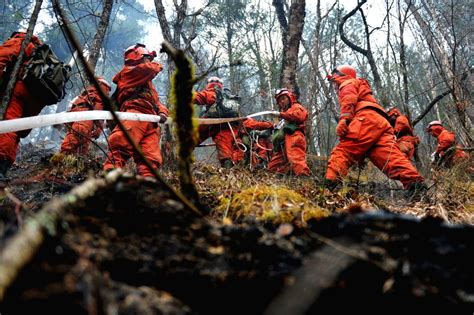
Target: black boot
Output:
[(227, 164), (4, 166), (330, 184), (415, 191)]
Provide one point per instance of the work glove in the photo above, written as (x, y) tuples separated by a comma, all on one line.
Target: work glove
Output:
[(434, 157), (163, 118), (342, 128)]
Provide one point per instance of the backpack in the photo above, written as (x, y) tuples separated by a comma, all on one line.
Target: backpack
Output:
[(227, 105), (46, 76)]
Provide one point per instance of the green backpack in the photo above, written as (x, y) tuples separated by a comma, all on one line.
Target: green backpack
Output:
[(46, 76), (227, 105)]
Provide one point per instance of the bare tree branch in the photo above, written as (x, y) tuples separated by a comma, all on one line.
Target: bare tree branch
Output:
[(430, 106)]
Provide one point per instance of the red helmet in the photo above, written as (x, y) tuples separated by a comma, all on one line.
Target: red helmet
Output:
[(284, 91), (341, 71), (434, 123), (137, 52)]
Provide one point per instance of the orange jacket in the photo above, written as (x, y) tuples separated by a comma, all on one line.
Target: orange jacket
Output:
[(89, 100), (136, 90), (446, 140), (296, 114), (10, 50), (355, 95)]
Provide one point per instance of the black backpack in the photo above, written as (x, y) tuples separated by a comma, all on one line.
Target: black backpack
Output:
[(46, 76), (227, 105)]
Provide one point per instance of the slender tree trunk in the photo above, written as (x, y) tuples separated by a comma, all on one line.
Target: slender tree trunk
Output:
[(295, 31), (291, 38), (98, 40)]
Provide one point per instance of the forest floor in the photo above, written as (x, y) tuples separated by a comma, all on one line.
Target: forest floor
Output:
[(280, 244)]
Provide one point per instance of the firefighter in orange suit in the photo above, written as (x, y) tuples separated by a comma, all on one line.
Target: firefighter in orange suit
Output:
[(136, 94), (78, 137), (364, 130), (224, 135), (406, 140), (448, 152), (22, 102), (290, 153)]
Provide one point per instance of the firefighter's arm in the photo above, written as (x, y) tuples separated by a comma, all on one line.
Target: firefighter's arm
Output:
[(144, 73), (205, 97), (253, 124), (348, 97), (296, 114), (162, 112)]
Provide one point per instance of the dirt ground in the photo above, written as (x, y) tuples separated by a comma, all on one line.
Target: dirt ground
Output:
[(131, 247)]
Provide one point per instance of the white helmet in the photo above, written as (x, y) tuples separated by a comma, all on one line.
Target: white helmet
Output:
[(434, 123), (104, 81), (214, 79)]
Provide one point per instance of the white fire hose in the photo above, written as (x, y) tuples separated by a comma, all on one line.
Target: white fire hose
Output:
[(68, 117)]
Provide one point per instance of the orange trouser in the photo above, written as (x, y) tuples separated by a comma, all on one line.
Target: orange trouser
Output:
[(146, 135), (456, 157), (78, 136), (406, 144), (223, 138), (371, 135), (292, 157), (460, 156), (22, 104)]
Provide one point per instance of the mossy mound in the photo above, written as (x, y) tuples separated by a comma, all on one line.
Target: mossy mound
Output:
[(276, 204)]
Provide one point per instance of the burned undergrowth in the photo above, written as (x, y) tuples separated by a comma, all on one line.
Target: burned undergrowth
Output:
[(132, 247)]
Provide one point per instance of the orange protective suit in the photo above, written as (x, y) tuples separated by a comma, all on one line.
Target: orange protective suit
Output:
[(222, 135), (446, 141), (22, 103), (258, 151), (406, 140), (369, 134), (80, 132), (292, 156), (137, 95)]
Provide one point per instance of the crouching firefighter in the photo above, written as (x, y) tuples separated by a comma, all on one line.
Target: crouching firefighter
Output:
[(136, 94), (448, 152), (406, 140), (289, 141), (79, 133), (217, 102), (35, 88)]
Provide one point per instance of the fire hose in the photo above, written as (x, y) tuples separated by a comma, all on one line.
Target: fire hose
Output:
[(68, 117)]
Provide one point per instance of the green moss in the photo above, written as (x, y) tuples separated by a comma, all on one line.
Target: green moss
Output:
[(186, 127), (276, 204)]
